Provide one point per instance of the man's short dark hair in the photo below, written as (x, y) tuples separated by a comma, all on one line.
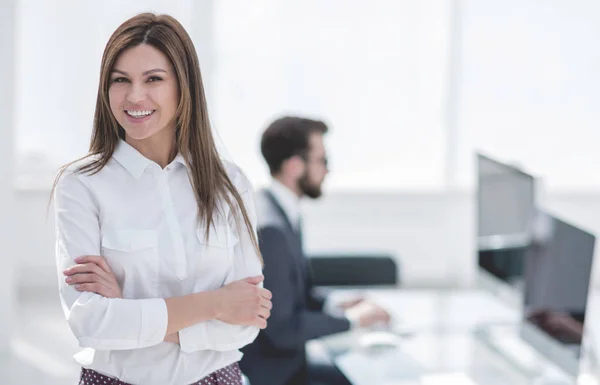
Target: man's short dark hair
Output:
[(287, 137)]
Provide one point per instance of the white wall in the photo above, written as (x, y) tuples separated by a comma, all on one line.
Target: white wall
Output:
[(60, 45), (530, 74), (374, 70), (389, 76), (430, 233), (7, 209)]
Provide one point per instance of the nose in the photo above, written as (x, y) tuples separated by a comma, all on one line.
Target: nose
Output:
[(136, 94)]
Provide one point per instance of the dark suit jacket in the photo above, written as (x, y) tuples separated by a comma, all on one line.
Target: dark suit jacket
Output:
[(277, 356)]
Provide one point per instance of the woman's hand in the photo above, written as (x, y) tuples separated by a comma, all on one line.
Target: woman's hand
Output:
[(173, 338), (93, 274), (244, 303), (238, 303)]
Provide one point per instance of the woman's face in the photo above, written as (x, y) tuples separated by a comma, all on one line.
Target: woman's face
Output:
[(143, 92)]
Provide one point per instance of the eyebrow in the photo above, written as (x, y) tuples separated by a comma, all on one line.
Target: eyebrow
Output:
[(144, 74)]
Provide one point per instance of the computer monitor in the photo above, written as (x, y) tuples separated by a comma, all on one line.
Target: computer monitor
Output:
[(505, 216), (557, 273)]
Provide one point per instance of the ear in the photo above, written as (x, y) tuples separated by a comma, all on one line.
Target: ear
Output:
[(294, 167)]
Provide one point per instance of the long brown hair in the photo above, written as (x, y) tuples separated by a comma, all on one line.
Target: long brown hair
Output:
[(193, 133)]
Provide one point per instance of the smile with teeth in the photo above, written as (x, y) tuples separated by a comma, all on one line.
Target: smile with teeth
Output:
[(139, 113)]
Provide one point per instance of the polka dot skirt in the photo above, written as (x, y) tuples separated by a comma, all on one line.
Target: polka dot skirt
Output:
[(229, 375)]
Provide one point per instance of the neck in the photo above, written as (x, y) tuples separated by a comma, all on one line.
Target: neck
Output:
[(159, 148), (290, 184)]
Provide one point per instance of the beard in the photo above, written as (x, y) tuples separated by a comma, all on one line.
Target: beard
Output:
[(311, 190)]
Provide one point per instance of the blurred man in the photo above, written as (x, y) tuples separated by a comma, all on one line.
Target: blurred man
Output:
[(294, 151)]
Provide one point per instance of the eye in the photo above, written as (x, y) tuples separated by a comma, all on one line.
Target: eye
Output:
[(154, 79), (119, 80)]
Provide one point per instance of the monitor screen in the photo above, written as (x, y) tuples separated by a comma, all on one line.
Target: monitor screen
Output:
[(505, 214), (557, 277)]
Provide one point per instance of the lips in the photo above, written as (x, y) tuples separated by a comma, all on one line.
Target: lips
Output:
[(139, 115)]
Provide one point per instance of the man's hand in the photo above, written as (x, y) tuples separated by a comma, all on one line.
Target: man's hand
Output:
[(558, 324), (350, 303), (244, 303), (93, 274), (367, 314)]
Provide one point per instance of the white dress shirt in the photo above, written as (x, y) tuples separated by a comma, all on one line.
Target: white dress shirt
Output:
[(143, 220), (289, 202)]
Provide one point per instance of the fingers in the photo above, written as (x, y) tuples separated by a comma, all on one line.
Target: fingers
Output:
[(95, 287), (84, 268), (380, 314), (266, 294), (90, 268), (264, 313), (255, 280), (89, 277), (260, 323), (371, 314), (351, 303), (82, 278), (386, 317), (96, 259), (266, 304), (85, 275)]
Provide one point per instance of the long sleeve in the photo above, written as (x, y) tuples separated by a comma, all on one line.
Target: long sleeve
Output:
[(290, 325), (98, 322), (314, 301), (215, 334)]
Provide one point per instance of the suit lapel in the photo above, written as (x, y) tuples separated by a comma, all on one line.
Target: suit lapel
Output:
[(279, 209), (295, 236)]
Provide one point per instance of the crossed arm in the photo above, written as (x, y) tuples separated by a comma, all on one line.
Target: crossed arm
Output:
[(241, 302), (221, 319)]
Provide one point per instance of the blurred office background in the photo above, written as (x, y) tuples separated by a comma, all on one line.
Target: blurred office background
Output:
[(411, 89)]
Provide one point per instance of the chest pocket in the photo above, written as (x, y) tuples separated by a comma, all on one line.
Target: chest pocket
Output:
[(221, 239), (215, 256), (132, 254)]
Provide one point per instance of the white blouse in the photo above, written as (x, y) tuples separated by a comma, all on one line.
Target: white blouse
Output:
[(143, 220)]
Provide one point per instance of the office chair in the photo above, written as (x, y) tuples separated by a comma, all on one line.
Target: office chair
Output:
[(354, 270)]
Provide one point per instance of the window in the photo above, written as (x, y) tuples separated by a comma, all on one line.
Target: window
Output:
[(530, 79), (375, 71)]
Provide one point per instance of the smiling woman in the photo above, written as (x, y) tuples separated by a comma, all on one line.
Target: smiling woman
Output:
[(143, 93), (162, 278)]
